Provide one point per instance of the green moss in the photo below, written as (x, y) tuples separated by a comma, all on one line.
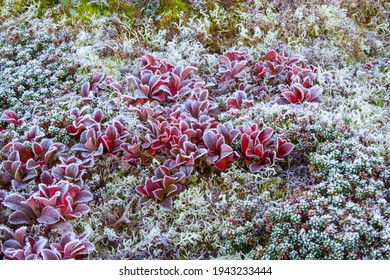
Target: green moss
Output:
[(17, 6), (84, 11), (173, 6), (172, 11), (46, 4), (275, 187), (223, 29)]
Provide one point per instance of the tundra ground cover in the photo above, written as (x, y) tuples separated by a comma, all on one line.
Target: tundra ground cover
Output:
[(194, 130)]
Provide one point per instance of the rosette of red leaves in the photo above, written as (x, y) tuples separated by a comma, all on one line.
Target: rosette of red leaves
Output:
[(233, 66), (259, 149), (18, 246), (11, 117), (97, 140), (20, 167), (292, 74), (49, 205), (89, 90), (162, 186), (155, 65), (178, 85), (218, 141), (240, 100), (297, 93), (83, 120), (186, 153)]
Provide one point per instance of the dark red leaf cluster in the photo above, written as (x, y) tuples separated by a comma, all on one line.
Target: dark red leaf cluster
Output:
[(19, 246), (56, 175), (259, 149), (289, 75), (47, 191), (234, 65), (10, 117), (49, 205), (293, 76), (98, 85), (240, 100), (160, 81), (179, 126), (161, 187)]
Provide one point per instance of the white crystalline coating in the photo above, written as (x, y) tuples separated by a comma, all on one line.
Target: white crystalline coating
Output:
[(328, 201)]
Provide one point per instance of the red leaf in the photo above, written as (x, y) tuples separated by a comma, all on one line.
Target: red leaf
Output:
[(49, 216), (290, 96), (306, 82), (83, 196), (159, 194), (259, 151), (210, 139), (71, 171), (98, 115), (85, 88), (244, 143), (166, 203), (255, 167), (80, 210), (222, 164), (226, 151), (19, 218), (265, 134), (299, 93), (283, 149), (97, 78), (171, 190), (108, 144), (24, 153), (315, 92), (186, 71), (271, 55), (141, 190), (112, 132), (49, 255), (14, 202), (10, 117), (37, 149)]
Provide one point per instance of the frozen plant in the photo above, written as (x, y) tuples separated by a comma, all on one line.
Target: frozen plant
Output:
[(162, 186), (49, 205), (19, 246), (259, 149)]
